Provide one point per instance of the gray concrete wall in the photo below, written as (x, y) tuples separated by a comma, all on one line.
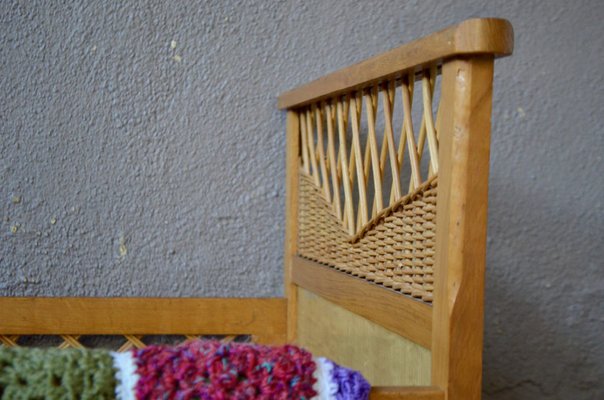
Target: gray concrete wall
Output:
[(132, 168)]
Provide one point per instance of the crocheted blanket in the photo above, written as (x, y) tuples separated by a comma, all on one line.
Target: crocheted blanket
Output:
[(194, 370)]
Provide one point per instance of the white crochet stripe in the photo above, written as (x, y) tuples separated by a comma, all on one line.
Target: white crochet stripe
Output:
[(325, 387), (125, 374)]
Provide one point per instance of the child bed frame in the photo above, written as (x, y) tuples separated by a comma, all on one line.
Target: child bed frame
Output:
[(385, 234)]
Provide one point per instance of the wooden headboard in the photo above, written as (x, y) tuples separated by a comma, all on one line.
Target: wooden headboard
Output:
[(387, 181)]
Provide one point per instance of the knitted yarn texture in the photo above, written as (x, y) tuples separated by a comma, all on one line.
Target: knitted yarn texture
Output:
[(55, 374), (210, 370), (200, 370)]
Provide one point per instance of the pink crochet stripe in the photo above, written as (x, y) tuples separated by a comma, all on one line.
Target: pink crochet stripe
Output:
[(214, 371)]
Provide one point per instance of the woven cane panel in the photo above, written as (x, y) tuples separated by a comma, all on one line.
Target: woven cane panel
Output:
[(119, 343), (368, 149), (395, 249), (368, 170)]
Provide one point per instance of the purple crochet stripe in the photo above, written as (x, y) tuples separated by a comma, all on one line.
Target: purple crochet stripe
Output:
[(351, 384)]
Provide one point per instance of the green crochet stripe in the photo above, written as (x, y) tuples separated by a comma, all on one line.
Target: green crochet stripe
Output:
[(56, 374)]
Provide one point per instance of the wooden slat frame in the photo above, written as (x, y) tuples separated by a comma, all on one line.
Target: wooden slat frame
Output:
[(264, 319)]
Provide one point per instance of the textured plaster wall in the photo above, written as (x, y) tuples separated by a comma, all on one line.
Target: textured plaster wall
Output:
[(142, 154)]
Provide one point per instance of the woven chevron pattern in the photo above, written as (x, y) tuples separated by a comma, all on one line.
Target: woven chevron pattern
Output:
[(368, 180)]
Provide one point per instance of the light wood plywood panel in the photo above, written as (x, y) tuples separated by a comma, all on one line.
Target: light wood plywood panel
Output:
[(384, 358), (394, 311)]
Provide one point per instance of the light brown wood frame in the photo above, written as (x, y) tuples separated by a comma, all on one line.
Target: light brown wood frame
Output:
[(452, 328), (263, 319)]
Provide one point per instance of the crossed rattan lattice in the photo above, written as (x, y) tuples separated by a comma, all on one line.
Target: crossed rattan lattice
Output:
[(358, 212), (131, 341)]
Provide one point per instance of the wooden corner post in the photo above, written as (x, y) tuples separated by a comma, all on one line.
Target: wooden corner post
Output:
[(291, 212), (464, 135)]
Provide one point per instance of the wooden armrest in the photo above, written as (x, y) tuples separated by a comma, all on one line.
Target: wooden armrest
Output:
[(407, 393)]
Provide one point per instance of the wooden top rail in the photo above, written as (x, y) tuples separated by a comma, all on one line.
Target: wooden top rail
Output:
[(474, 36), (131, 315)]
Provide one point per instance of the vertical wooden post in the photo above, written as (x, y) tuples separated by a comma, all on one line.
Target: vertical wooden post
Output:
[(458, 306), (291, 212)]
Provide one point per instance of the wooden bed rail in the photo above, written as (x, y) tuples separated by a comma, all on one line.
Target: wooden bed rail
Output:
[(263, 319), (471, 37)]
